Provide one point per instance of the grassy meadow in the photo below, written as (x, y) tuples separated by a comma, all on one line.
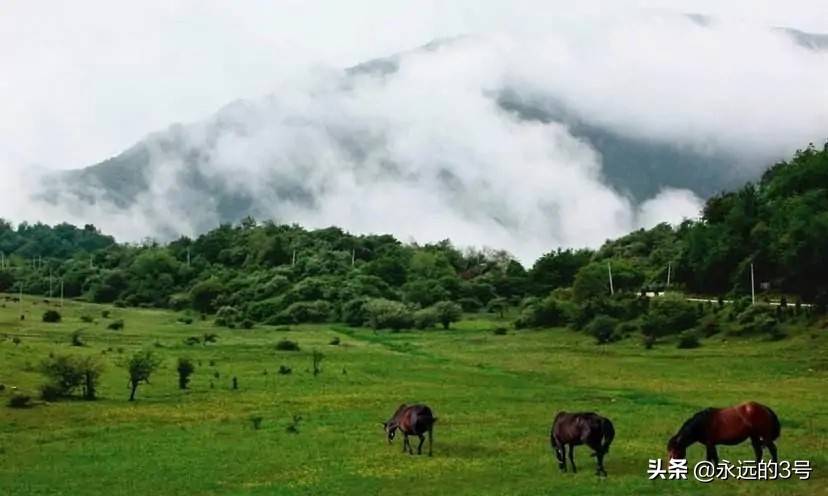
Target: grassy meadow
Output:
[(494, 395)]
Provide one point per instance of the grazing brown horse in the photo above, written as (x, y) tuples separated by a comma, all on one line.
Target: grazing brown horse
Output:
[(732, 425), (411, 420), (573, 429)]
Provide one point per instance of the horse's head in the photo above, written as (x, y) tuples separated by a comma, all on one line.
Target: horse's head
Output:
[(675, 449), (390, 429)]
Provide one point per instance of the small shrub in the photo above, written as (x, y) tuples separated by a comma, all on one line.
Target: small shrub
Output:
[(20, 401), (335, 341), (105, 314), (16, 340), (256, 422), (649, 341), (116, 325), (192, 341), (317, 358), (185, 369), (210, 338), (284, 370), (87, 319), (77, 340), (287, 345), (293, 427), (52, 316), (50, 392), (187, 320), (688, 339), (499, 331), (247, 324)]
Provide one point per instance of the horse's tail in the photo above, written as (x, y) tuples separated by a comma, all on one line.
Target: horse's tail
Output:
[(776, 428), (608, 432)]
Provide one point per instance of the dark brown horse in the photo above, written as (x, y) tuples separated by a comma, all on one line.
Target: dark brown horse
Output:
[(573, 429), (411, 420), (732, 425)]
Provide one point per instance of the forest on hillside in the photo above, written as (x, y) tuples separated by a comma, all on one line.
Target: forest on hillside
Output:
[(262, 272)]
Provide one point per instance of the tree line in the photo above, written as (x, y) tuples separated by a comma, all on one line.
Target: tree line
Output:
[(279, 274)]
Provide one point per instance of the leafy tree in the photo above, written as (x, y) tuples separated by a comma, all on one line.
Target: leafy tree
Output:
[(140, 367), (205, 294), (447, 312)]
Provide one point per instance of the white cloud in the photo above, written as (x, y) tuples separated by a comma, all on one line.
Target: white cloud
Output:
[(426, 152)]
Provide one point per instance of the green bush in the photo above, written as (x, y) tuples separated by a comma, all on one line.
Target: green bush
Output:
[(470, 304), (548, 312), (388, 314), (185, 369), (425, 318), (287, 345), (669, 314), (602, 328), (20, 401), (307, 311), (67, 373), (447, 312), (353, 312), (228, 316), (688, 339), (335, 341), (500, 331), (116, 325), (265, 310), (52, 316)]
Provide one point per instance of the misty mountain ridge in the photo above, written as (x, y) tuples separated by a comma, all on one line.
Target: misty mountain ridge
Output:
[(270, 158)]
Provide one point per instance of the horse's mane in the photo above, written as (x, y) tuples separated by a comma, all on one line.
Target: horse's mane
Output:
[(398, 412), (694, 426)]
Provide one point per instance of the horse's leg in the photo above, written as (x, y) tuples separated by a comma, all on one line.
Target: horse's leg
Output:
[(572, 457), (712, 455), (757, 448), (420, 446), (772, 449), (405, 442), (430, 441), (599, 457)]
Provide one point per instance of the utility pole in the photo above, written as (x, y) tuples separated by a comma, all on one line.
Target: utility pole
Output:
[(609, 269), (669, 270), (752, 287), (50, 282), (293, 261), (188, 257), (353, 257), (20, 298), (61, 292)]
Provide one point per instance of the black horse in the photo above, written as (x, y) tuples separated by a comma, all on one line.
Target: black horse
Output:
[(412, 420), (573, 429)]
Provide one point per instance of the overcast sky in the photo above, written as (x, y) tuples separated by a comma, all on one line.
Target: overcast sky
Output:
[(83, 80)]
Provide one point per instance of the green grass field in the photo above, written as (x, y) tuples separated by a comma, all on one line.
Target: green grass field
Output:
[(494, 395)]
